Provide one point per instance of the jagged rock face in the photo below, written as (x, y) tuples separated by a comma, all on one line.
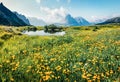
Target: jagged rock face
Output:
[(81, 21), (78, 21), (22, 17), (70, 21), (7, 17)]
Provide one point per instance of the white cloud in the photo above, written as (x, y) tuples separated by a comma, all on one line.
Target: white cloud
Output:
[(56, 15), (38, 1), (97, 19)]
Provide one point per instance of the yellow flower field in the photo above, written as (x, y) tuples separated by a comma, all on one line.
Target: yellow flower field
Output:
[(81, 55)]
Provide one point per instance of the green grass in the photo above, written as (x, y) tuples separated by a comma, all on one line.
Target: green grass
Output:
[(84, 54)]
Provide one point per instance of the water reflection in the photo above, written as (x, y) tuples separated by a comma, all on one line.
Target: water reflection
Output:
[(42, 33)]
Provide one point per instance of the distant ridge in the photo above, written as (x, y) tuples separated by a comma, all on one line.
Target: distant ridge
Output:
[(36, 22), (8, 18), (112, 20)]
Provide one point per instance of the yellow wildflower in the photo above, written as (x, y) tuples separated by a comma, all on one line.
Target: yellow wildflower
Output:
[(58, 68), (11, 79), (84, 76), (0, 66), (48, 73), (111, 71), (46, 78), (89, 75)]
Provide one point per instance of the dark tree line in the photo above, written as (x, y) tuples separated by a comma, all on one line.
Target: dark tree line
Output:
[(52, 28)]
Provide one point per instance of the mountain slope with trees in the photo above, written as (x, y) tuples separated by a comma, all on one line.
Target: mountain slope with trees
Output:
[(8, 18)]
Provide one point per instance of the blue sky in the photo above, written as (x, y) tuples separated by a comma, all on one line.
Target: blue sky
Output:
[(57, 9)]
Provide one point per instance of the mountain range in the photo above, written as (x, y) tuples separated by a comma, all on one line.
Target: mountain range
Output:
[(7, 17), (71, 21)]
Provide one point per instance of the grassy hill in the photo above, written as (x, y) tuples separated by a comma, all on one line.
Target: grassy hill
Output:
[(84, 54)]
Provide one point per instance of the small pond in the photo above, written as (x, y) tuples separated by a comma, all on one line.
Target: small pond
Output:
[(42, 33)]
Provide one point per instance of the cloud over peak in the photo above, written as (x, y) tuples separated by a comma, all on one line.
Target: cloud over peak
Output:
[(54, 15)]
